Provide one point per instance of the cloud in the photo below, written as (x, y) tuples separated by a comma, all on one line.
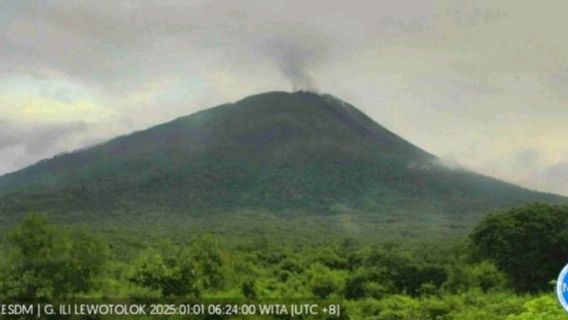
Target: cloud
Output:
[(115, 44), (474, 79), (24, 145), (529, 167), (555, 177)]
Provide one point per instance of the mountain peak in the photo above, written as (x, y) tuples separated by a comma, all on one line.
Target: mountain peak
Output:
[(317, 116), (275, 151)]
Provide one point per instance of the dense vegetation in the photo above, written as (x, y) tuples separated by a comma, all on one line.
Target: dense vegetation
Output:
[(277, 152), (502, 270)]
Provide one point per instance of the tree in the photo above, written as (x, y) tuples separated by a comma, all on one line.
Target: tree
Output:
[(173, 276), (484, 276), (45, 263), (210, 260), (541, 308), (87, 258), (528, 243), (323, 282)]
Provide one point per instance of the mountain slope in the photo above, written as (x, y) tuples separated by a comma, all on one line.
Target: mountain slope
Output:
[(277, 152)]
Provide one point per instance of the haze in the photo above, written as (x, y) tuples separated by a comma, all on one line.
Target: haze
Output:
[(482, 84)]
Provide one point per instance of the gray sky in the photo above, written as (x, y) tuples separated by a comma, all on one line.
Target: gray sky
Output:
[(479, 83)]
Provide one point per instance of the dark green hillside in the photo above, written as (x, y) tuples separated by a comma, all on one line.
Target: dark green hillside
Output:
[(274, 152)]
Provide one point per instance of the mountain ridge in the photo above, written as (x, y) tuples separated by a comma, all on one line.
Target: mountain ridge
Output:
[(273, 152)]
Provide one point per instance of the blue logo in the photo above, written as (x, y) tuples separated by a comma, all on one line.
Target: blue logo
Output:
[(562, 288)]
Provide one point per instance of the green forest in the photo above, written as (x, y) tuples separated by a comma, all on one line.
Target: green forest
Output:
[(504, 269)]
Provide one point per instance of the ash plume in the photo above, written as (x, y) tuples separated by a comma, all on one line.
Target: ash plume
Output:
[(295, 68), (296, 58)]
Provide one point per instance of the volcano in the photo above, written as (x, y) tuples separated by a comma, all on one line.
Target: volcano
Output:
[(277, 152)]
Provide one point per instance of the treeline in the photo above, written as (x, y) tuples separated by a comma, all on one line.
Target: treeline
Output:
[(502, 270)]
